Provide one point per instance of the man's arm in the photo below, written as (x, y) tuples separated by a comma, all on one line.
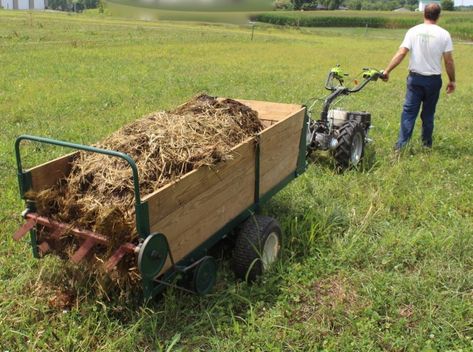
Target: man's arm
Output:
[(395, 61), (450, 68)]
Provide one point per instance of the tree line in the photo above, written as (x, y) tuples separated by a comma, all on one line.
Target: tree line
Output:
[(382, 5), (75, 5)]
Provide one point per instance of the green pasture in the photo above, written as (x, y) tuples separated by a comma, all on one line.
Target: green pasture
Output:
[(373, 260)]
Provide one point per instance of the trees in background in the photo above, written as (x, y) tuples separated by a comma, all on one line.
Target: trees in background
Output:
[(385, 5), (73, 5), (308, 4), (447, 5)]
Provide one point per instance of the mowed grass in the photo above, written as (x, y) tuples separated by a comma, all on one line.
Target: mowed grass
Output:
[(378, 259)]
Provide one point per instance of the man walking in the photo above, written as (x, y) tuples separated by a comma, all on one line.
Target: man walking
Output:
[(427, 44)]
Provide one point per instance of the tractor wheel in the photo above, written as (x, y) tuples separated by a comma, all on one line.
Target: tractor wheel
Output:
[(257, 247), (351, 145)]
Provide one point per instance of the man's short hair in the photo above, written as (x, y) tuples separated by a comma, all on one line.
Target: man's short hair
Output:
[(432, 11)]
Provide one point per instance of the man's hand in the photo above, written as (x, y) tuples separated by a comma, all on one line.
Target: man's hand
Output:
[(384, 76), (451, 87)]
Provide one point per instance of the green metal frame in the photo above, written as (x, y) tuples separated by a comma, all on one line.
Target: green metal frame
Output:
[(24, 178), (34, 243), (257, 171)]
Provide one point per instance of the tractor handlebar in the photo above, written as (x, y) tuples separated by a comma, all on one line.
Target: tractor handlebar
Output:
[(337, 73)]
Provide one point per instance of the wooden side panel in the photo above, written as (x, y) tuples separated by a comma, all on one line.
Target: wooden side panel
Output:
[(279, 150), (192, 209), (272, 111), (47, 174)]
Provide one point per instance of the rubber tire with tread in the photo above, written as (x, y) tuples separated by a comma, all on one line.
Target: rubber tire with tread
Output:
[(247, 263), (346, 133)]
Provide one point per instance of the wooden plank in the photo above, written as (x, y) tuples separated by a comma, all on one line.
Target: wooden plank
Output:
[(272, 111), (177, 194), (279, 151), (201, 203), (283, 167), (46, 175)]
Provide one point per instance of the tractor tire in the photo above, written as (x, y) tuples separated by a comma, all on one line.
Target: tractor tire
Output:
[(257, 247), (351, 145)]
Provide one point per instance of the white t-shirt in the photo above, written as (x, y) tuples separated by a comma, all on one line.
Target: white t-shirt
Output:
[(427, 43)]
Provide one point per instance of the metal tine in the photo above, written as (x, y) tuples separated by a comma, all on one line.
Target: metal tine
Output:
[(43, 248), (83, 250), (23, 230), (116, 257), (58, 229)]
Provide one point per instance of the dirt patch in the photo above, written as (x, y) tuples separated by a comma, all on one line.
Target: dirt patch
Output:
[(328, 301), (408, 313), (62, 300)]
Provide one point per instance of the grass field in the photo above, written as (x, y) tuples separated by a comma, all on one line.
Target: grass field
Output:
[(373, 260)]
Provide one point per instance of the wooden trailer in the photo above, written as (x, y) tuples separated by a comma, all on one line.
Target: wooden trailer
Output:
[(180, 222)]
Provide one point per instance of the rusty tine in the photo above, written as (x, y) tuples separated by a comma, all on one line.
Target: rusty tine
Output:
[(57, 229), (23, 230), (115, 258), (43, 248), (83, 250)]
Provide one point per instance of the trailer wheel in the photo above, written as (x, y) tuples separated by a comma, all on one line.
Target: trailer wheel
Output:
[(205, 275), (257, 247), (351, 145)]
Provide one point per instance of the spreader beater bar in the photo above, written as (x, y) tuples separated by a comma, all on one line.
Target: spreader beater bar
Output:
[(57, 229)]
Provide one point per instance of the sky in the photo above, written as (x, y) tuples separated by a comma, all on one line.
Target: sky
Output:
[(464, 2)]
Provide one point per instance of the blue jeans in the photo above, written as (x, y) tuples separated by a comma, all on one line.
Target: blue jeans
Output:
[(423, 90)]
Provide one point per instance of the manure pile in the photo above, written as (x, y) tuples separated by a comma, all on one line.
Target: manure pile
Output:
[(98, 193)]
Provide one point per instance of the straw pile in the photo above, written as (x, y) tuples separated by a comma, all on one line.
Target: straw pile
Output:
[(98, 193)]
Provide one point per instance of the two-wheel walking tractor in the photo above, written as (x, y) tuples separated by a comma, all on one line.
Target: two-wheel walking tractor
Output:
[(342, 132)]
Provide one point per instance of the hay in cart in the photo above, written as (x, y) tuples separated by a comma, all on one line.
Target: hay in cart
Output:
[(98, 193)]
